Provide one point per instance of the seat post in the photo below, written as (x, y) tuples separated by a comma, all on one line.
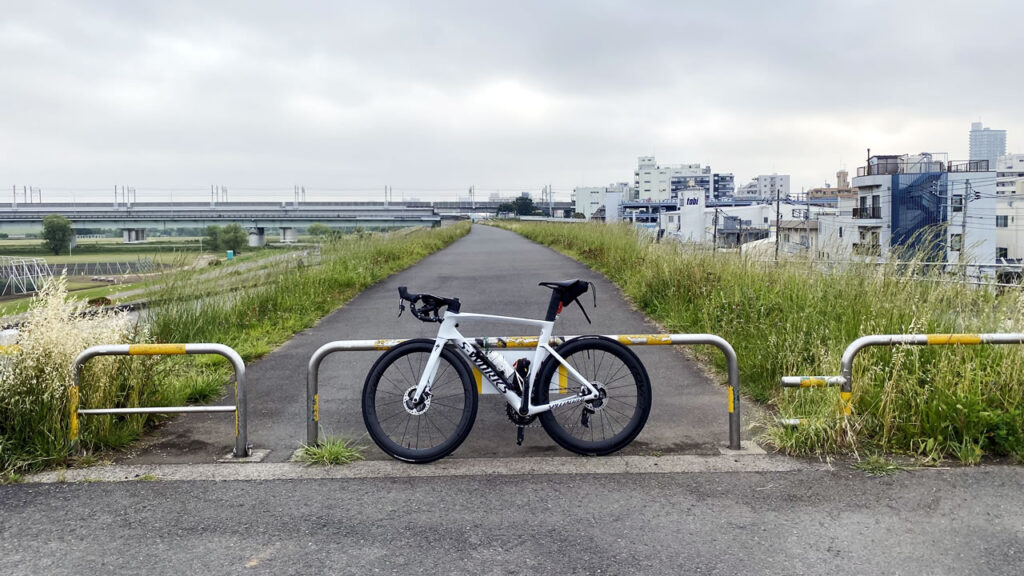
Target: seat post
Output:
[(556, 301)]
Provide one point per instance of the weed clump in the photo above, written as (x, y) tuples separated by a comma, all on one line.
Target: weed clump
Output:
[(35, 379)]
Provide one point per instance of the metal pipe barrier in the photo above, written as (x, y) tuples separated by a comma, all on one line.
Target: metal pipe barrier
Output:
[(242, 447), (845, 379), (313, 374)]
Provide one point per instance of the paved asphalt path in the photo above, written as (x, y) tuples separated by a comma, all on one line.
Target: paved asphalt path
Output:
[(936, 522), (491, 271)]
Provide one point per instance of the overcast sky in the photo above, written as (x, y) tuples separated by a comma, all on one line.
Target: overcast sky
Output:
[(432, 97)]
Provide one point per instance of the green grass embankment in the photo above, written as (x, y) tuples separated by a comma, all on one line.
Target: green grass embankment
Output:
[(251, 317), (791, 318)]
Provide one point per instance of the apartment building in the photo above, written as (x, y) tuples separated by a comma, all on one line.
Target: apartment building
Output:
[(987, 144), (765, 187), (920, 201), (656, 183)]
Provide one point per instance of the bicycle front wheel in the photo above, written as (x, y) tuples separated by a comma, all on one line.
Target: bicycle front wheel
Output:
[(603, 425), (434, 427)]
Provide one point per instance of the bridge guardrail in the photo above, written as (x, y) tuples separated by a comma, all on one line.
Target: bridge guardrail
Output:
[(241, 448), (313, 374)]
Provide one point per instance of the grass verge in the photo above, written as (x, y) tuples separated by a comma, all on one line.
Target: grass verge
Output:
[(792, 318)]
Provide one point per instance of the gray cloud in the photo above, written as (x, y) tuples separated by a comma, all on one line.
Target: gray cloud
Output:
[(433, 97)]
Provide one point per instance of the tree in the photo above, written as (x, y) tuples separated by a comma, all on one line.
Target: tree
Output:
[(318, 229), (233, 237), (57, 233), (523, 206), (213, 237)]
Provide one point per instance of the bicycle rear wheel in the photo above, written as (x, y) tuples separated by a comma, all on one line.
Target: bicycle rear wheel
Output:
[(433, 428), (606, 424)]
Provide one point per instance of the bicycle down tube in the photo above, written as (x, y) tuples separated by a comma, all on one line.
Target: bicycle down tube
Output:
[(449, 333)]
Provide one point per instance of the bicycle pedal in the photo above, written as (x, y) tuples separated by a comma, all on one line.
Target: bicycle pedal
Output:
[(520, 434)]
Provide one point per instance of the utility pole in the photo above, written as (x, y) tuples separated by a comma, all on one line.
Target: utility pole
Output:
[(739, 241), (963, 224), (778, 222), (714, 236)]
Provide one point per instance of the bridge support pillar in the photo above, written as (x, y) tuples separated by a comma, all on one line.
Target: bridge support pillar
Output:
[(288, 235), (130, 235), (257, 237)]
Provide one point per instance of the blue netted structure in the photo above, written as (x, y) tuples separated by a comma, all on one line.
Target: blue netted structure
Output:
[(919, 214)]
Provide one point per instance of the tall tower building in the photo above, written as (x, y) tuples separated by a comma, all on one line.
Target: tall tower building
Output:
[(987, 144)]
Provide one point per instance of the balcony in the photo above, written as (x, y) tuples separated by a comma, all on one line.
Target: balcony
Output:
[(867, 212), (867, 250)]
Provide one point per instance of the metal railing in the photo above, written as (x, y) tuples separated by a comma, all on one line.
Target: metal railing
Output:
[(313, 374), (845, 379), (242, 447)]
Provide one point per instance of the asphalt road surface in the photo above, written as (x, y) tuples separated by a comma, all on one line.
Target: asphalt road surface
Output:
[(492, 271), (936, 522)]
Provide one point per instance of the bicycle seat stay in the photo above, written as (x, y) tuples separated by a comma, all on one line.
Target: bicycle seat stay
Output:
[(564, 293)]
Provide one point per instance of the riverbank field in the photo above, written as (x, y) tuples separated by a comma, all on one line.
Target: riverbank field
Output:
[(251, 313), (792, 318)]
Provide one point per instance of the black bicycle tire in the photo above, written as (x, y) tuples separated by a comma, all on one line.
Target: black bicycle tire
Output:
[(369, 403), (551, 421)]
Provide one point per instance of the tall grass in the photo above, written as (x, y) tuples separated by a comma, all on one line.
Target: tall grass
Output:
[(255, 313), (792, 318), (35, 379)]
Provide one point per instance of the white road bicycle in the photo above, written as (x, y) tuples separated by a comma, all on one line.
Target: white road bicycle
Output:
[(591, 394)]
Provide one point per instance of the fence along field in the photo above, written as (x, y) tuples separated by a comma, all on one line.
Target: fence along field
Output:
[(34, 370), (788, 318)]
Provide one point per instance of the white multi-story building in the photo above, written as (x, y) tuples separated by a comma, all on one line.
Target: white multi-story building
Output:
[(915, 201), (1009, 170), (590, 199), (654, 183), (765, 187), (987, 144)]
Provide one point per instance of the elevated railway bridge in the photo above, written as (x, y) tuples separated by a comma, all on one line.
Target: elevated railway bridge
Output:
[(134, 219)]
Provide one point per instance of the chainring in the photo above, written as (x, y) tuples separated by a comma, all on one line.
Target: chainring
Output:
[(518, 419)]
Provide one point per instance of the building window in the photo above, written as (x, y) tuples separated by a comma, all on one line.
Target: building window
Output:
[(958, 202), (765, 219), (840, 231), (955, 242), (1001, 221), (1001, 252)]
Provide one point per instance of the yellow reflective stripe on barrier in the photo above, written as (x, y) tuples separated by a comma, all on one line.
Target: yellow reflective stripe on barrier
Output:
[(813, 382), (946, 339), (479, 381), (73, 402), (732, 406), (316, 407), (847, 398), (155, 349), (10, 349), (517, 342), (563, 380), (649, 339), (384, 344)]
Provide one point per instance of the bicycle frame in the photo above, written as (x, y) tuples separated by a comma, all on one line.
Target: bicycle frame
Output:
[(476, 357)]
